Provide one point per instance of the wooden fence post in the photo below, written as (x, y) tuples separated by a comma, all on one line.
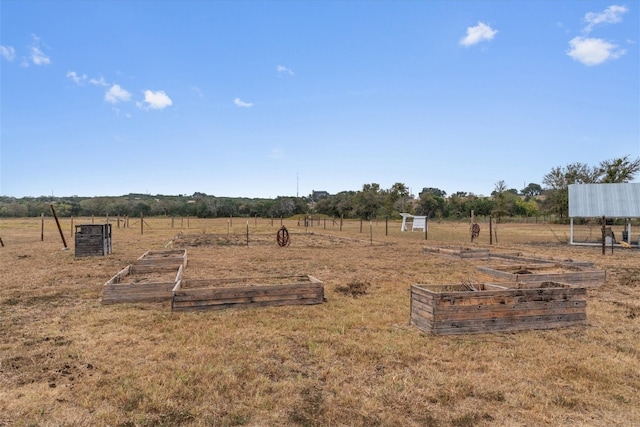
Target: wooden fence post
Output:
[(64, 242)]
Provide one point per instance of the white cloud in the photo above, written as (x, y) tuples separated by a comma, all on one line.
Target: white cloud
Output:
[(98, 82), (241, 103), (284, 70), (477, 34), (591, 51), (156, 100), (38, 57), (116, 94), (610, 15), (8, 52), (77, 79)]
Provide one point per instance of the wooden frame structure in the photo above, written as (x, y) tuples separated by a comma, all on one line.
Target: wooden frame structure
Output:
[(217, 294), (163, 257), (487, 308), (556, 272), (142, 283), (457, 251)]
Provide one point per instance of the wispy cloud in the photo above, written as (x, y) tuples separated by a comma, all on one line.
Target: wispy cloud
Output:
[(8, 52), (611, 15), (592, 51), (276, 154), (81, 79), (479, 33), (116, 94), (155, 100), (77, 79), (197, 90), (240, 103), (38, 57), (98, 82), (284, 70)]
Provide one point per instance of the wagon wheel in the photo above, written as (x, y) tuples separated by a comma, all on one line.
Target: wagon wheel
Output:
[(475, 230), (283, 237)]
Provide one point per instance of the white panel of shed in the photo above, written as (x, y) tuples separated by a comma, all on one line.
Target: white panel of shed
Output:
[(610, 200)]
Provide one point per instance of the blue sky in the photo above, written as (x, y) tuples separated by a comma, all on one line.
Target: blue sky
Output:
[(278, 98)]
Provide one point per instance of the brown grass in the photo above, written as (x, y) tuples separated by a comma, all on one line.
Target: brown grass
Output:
[(65, 359)]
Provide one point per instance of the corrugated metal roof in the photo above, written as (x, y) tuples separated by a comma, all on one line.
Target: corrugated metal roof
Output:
[(610, 200)]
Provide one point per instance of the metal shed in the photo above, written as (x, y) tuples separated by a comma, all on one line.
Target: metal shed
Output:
[(608, 200)]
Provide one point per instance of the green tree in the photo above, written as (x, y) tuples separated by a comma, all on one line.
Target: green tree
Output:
[(367, 202), (432, 203), (616, 171), (503, 201), (531, 190)]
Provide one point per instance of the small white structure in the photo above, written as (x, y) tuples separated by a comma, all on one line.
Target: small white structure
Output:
[(417, 223)]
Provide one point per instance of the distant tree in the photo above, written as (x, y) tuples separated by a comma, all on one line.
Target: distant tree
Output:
[(367, 202), (482, 206), (434, 191), (531, 190), (431, 203), (503, 203), (395, 199), (616, 171), (526, 208)]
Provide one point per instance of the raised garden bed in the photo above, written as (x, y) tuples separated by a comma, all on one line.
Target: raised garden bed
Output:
[(165, 257), (217, 294), (519, 257), (486, 308), (457, 251), (142, 283), (577, 275)]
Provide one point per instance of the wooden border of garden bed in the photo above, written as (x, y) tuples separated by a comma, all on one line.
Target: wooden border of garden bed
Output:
[(581, 276), (459, 309), (521, 258), (457, 251), (114, 291), (163, 257), (217, 294)]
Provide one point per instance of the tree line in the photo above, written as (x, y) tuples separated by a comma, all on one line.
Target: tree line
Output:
[(370, 202)]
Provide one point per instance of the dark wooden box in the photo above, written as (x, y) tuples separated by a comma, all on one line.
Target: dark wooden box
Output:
[(92, 240), (486, 308)]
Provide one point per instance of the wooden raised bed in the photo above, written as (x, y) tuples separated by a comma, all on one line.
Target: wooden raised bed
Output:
[(457, 309), (142, 283), (165, 257), (521, 258), (217, 294), (457, 251), (556, 272)]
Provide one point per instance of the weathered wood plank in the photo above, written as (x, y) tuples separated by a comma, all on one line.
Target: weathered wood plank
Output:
[(508, 324), (250, 291), (496, 308), (246, 305)]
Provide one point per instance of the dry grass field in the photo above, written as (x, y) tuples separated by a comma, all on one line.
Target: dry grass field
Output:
[(68, 360)]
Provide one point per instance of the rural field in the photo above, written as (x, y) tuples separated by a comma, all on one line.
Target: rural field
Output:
[(66, 359)]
